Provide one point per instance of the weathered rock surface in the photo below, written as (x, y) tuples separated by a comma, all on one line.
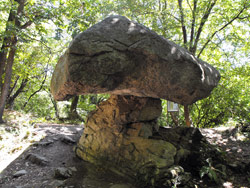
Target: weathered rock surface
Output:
[(122, 57), (138, 67), (122, 135)]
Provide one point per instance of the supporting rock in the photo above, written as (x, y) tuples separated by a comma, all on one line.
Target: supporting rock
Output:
[(122, 135), (119, 134)]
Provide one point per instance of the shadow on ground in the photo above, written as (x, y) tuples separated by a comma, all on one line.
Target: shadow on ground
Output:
[(37, 165)]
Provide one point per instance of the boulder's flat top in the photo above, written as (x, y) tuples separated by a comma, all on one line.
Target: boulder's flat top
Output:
[(122, 57)]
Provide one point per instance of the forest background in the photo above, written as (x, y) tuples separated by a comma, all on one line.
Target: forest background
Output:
[(35, 33)]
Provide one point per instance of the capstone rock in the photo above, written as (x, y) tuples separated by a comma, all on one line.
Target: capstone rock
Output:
[(122, 57)]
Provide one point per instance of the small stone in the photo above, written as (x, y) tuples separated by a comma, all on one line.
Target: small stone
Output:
[(20, 173), (68, 140), (37, 159), (63, 173), (234, 149), (43, 143), (55, 139)]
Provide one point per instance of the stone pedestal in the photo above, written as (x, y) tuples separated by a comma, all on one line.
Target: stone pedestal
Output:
[(122, 135)]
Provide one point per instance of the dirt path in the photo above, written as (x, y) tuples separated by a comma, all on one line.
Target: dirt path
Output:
[(39, 163), (237, 149), (53, 152)]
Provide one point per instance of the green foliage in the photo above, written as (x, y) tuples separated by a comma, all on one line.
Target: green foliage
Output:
[(228, 100), (89, 102), (211, 172), (166, 120), (222, 42)]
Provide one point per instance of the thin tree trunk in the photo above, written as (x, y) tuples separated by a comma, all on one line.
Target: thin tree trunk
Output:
[(73, 112), (13, 87), (3, 55), (184, 30), (174, 118), (41, 87), (11, 99), (56, 108), (186, 114), (5, 48), (55, 105), (7, 80), (73, 106)]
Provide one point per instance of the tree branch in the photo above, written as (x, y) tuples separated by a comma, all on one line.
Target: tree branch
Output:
[(27, 24), (193, 24), (223, 27), (14, 86), (184, 31), (41, 87), (189, 5), (11, 99), (202, 23)]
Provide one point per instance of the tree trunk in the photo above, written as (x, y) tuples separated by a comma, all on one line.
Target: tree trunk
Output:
[(5, 48), (73, 112), (174, 118), (186, 114), (11, 99), (55, 106), (3, 54), (7, 79), (13, 87)]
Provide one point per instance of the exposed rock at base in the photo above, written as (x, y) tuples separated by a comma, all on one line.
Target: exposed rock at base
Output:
[(122, 57), (116, 137)]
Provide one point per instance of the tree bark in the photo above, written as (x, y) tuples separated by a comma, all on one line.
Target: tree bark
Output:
[(73, 112), (174, 118), (3, 55), (8, 48), (5, 47), (193, 25), (202, 23), (186, 114), (7, 80), (11, 99), (184, 30)]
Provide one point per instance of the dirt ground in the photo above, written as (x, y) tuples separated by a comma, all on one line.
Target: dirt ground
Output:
[(56, 151)]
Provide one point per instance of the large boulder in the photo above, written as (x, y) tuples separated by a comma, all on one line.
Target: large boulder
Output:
[(122, 57), (122, 135)]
